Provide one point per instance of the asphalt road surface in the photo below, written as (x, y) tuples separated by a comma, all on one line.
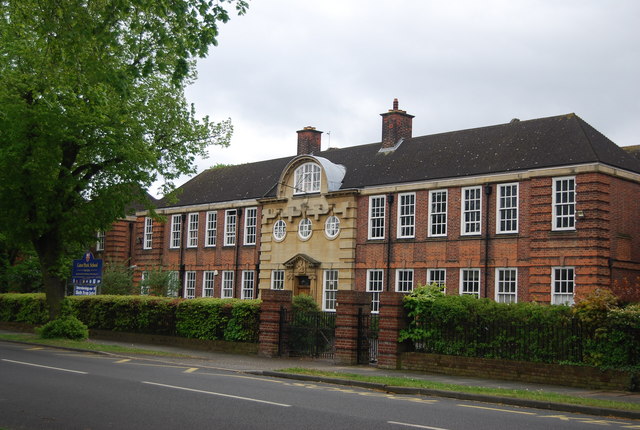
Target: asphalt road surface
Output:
[(46, 388)]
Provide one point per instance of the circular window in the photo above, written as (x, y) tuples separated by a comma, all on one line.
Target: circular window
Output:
[(332, 227), (304, 229), (279, 230)]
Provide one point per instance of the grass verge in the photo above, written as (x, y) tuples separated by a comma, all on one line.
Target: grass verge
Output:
[(87, 345), (519, 394)]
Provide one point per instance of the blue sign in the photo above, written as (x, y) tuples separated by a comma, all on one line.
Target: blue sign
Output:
[(86, 275)]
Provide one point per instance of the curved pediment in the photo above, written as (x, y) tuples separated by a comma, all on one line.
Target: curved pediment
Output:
[(301, 259)]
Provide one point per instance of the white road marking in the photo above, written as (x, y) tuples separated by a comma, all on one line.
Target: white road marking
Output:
[(217, 394), (45, 367), (415, 426), (499, 410)]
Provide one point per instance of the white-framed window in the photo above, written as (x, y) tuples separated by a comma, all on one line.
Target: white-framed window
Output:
[(330, 290), (212, 228), (304, 229), (189, 284), (144, 288), (208, 281), (250, 226), (230, 220), (406, 215), (376, 217), (248, 282), (564, 203), (470, 282), (277, 279), (507, 204), (307, 179), (437, 213), (375, 285), (332, 227), (174, 284), (176, 231), (437, 276), (227, 284), (506, 285), (147, 242), (100, 236), (192, 232), (471, 210), (562, 285), (404, 280), (279, 230)]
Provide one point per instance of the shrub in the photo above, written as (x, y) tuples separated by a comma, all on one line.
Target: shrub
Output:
[(304, 303), (160, 282), (117, 279), (593, 307), (68, 327)]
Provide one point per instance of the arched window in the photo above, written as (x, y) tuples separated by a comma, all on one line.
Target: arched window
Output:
[(332, 227), (279, 230), (307, 179)]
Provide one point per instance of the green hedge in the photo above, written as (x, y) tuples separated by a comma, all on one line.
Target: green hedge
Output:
[(209, 319), (133, 314), (467, 326), (212, 319), (24, 308)]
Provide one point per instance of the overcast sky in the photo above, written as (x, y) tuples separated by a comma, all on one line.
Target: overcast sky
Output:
[(337, 64)]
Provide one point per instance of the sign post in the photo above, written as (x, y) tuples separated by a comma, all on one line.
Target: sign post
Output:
[(86, 275)]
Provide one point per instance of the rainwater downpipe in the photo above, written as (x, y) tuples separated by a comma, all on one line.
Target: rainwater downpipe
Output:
[(183, 217), (237, 253), (487, 237), (390, 217)]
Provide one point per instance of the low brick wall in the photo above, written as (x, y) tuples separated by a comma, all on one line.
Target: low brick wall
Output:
[(19, 327), (542, 373), (179, 342)]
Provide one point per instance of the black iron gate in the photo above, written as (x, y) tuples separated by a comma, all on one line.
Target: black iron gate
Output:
[(368, 326), (304, 333)]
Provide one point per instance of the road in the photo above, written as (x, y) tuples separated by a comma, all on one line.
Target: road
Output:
[(46, 388)]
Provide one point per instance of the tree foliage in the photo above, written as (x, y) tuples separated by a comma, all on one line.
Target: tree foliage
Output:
[(93, 111)]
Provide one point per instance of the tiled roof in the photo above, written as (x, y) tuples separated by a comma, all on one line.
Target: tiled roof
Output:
[(515, 146)]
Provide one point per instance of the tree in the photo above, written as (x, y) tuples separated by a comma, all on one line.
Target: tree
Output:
[(93, 111)]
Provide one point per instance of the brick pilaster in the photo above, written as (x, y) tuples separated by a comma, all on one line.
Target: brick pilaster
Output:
[(392, 320), (349, 304), (272, 302)]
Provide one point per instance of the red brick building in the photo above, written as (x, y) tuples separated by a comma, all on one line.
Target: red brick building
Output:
[(538, 210)]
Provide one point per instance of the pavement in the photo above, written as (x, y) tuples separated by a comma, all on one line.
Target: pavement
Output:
[(273, 367)]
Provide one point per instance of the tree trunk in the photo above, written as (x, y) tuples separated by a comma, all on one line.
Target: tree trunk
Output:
[(49, 250), (54, 288)]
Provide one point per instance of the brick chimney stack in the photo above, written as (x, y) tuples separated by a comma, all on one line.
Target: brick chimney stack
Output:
[(396, 125), (308, 140)]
